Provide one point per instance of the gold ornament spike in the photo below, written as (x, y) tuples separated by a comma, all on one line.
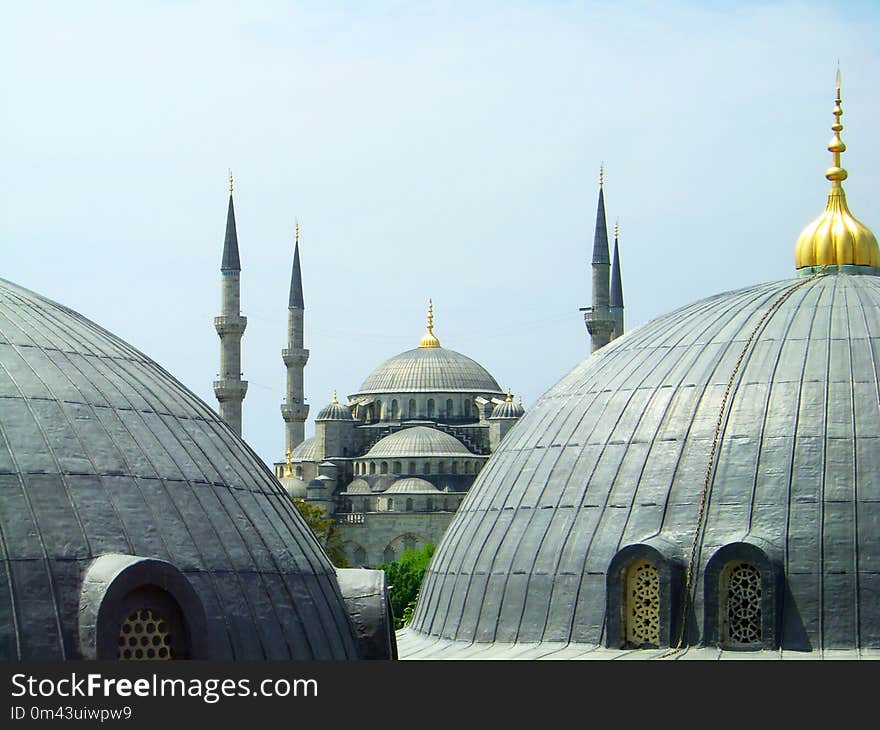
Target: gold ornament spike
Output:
[(429, 339), (296, 231), (509, 398), (288, 469), (230, 181), (836, 238), (616, 230), (335, 399), (602, 175)]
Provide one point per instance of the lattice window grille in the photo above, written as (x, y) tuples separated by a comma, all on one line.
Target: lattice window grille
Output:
[(642, 604), (742, 606), (145, 634)]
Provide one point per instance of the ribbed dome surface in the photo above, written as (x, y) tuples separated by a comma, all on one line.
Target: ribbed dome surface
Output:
[(305, 451), (417, 441), (508, 409), (412, 485), (334, 412), (615, 455), (429, 370), (103, 452), (359, 486)]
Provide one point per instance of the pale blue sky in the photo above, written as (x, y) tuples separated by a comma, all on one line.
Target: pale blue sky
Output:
[(444, 150)]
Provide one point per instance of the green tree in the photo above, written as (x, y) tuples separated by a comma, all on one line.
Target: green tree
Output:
[(404, 578), (326, 530)]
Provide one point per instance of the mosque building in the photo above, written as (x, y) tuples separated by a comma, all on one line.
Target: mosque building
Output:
[(705, 484), (392, 464)]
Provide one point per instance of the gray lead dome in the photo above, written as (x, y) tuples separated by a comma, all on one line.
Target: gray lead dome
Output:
[(608, 469), (123, 497)]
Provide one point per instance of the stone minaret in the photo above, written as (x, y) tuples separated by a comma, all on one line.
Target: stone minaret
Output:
[(230, 389), (616, 297), (598, 318), (294, 409)]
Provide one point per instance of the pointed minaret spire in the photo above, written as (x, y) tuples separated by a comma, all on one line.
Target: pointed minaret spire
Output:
[(616, 298), (230, 389), (230, 260), (296, 285), (430, 339), (294, 410), (600, 323)]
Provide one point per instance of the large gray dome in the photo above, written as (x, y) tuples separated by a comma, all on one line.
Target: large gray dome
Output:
[(118, 486), (609, 466), (429, 370), (417, 441)]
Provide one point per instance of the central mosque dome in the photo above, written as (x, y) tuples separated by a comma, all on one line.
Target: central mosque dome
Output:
[(429, 368), (707, 482)]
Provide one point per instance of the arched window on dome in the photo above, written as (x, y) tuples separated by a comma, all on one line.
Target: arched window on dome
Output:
[(409, 504), (427, 467), (412, 467), (741, 621), (467, 408), (455, 467), (640, 585), (431, 408), (413, 409), (641, 602), (441, 467), (395, 467), (299, 471), (384, 467), (430, 505), (741, 598), (373, 468), (389, 504), (450, 408), (395, 410)]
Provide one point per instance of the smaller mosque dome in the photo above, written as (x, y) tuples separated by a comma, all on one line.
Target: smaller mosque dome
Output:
[(335, 411), (417, 441), (412, 485), (508, 409), (305, 451), (359, 486), (294, 486)]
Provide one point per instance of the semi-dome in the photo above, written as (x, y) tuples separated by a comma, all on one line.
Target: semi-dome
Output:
[(359, 486), (123, 498), (417, 441), (305, 450), (621, 460), (335, 411), (412, 485)]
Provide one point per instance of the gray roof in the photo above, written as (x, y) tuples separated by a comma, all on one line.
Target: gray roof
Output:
[(296, 300), (418, 441), (294, 486), (305, 450), (615, 455), (230, 261), (334, 412), (412, 485), (103, 453), (359, 486), (429, 370), (600, 239), (507, 409)]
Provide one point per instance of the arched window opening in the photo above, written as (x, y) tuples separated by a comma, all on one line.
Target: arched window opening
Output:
[(388, 555), (412, 408), (384, 468), (441, 467), (372, 468), (467, 408), (360, 556), (409, 504), (641, 604), (409, 542), (390, 504), (395, 410), (450, 408), (299, 471), (395, 467), (427, 468), (455, 467), (430, 407), (412, 467), (741, 619), (430, 505)]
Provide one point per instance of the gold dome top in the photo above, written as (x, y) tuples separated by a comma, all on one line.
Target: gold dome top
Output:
[(836, 238), (429, 339)]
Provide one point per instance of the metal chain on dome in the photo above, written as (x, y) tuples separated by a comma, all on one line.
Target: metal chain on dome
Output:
[(708, 476)]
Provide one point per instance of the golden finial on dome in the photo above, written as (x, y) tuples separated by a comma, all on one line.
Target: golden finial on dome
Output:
[(509, 398), (288, 467), (430, 340), (230, 181), (335, 399), (836, 238)]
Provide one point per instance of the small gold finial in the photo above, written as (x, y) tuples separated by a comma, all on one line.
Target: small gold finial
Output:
[(616, 229), (836, 238), (509, 398), (519, 402), (335, 399), (430, 340), (602, 175), (296, 234), (288, 467), (230, 181)]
